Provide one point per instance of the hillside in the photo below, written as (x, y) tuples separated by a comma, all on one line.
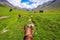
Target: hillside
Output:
[(49, 5), (5, 3)]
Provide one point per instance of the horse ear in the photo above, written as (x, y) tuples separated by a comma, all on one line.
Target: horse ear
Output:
[(25, 27), (30, 26)]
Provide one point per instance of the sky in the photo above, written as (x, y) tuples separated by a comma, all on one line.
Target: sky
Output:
[(27, 4)]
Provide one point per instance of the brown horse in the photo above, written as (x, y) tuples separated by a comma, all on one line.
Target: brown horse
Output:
[(28, 33)]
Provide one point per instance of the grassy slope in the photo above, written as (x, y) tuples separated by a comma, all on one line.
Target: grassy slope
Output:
[(47, 24)]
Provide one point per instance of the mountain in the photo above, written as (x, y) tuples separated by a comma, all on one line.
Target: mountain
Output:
[(46, 6), (55, 4), (5, 3)]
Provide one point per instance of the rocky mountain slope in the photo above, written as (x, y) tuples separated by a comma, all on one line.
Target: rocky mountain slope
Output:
[(47, 6), (55, 4)]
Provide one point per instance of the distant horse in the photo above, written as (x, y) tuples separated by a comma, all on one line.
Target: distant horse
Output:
[(19, 15), (41, 11), (10, 10), (34, 11)]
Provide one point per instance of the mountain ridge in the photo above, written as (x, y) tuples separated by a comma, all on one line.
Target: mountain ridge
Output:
[(49, 5)]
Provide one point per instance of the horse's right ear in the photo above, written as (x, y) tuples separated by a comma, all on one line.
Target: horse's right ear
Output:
[(25, 27)]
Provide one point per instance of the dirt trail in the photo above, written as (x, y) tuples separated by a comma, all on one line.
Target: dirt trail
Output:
[(2, 17)]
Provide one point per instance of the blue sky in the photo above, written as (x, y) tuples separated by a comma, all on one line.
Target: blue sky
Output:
[(27, 4), (23, 1)]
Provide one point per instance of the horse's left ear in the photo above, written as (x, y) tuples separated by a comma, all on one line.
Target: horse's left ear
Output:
[(24, 27)]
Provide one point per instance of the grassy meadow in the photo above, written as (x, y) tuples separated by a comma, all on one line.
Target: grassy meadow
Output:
[(47, 24)]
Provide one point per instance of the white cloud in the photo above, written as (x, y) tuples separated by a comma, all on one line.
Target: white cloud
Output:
[(26, 4), (14, 2), (40, 2)]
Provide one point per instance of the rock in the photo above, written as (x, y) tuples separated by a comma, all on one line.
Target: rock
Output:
[(4, 31)]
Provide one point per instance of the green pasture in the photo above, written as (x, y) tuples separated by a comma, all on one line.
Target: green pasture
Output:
[(47, 24)]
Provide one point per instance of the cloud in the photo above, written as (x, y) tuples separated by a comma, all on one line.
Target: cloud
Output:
[(14, 2), (26, 5)]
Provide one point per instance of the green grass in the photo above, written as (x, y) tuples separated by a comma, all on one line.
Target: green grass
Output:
[(47, 24)]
